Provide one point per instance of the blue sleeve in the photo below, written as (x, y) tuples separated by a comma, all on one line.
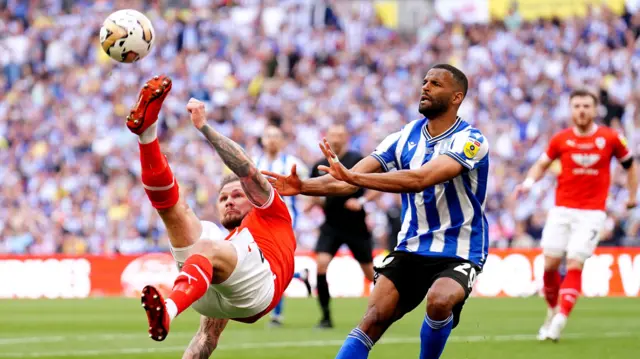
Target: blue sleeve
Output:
[(385, 153), (469, 148)]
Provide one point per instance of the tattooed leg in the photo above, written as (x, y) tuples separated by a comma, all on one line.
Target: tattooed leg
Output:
[(206, 339)]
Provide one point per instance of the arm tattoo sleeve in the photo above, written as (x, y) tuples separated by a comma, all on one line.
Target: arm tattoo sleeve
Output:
[(254, 184), (206, 339)]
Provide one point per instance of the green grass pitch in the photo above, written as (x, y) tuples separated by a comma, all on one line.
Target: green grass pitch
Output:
[(600, 328)]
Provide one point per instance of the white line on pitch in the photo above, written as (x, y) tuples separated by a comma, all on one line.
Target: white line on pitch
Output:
[(298, 344)]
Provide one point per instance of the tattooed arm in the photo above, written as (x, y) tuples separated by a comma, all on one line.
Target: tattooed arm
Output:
[(206, 339), (255, 185)]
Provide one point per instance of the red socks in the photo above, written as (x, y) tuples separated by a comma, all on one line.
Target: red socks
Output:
[(157, 178), (192, 282), (551, 280), (570, 290)]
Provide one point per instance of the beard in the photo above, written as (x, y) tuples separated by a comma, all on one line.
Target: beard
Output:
[(231, 221), (434, 108)]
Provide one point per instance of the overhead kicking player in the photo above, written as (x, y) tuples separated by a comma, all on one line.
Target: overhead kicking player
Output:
[(573, 227), (240, 277), (442, 167)]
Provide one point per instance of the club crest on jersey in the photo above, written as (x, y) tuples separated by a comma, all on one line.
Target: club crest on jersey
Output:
[(471, 148), (600, 142)]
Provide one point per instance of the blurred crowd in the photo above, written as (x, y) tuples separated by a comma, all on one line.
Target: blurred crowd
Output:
[(69, 169)]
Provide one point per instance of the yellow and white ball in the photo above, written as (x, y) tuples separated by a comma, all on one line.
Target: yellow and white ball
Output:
[(127, 36)]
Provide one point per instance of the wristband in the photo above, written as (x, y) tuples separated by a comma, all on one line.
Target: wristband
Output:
[(362, 200), (528, 183)]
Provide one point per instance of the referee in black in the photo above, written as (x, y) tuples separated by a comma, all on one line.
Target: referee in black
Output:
[(344, 223)]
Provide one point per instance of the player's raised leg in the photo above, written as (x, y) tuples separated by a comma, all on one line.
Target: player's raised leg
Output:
[(161, 186)]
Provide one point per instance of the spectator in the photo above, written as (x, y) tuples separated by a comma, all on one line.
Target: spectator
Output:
[(67, 179)]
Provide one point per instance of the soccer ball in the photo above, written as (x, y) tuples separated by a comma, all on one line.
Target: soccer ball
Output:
[(127, 36)]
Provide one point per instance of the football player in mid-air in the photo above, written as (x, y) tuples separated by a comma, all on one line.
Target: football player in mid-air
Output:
[(442, 167), (240, 277), (573, 226)]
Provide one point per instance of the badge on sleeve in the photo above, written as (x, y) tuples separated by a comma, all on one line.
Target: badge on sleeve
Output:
[(471, 148), (623, 140)]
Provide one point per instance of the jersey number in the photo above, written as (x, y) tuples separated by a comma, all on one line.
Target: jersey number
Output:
[(594, 235), (261, 255), (469, 271)]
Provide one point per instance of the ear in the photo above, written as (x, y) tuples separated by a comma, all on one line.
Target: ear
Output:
[(457, 98)]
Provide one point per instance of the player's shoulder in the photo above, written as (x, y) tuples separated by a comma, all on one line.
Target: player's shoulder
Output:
[(471, 141), (467, 131), (607, 132)]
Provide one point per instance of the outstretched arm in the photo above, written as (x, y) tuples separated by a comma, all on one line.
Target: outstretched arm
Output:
[(326, 185), (467, 150), (256, 187), (535, 173), (206, 339), (440, 170)]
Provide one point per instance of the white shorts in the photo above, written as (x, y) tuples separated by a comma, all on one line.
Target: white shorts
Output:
[(574, 232), (250, 288)]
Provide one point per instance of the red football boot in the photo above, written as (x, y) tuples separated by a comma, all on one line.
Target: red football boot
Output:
[(145, 113), (157, 315)]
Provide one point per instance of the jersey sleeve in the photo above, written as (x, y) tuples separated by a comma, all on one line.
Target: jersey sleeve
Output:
[(274, 207), (385, 153), (469, 148), (553, 149), (621, 148)]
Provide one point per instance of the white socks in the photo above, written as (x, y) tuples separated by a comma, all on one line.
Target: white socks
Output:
[(172, 309), (149, 135)]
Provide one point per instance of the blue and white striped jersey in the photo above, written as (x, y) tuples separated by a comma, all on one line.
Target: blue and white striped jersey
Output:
[(282, 165), (445, 220)]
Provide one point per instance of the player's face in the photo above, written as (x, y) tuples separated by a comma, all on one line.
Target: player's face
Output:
[(233, 205), (583, 110), (337, 137), (272, 140), (437, 93)]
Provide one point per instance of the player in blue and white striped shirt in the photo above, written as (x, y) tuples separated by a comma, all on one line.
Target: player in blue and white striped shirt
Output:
[(442, 166), (274, 159)]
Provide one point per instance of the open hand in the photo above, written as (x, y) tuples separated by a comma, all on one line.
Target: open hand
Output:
[(290, 185), (335, 169), (520, 190)]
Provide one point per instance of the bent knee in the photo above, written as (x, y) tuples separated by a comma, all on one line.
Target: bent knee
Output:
[(440, 303)]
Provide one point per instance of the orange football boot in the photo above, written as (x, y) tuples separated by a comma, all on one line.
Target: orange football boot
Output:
[(145, 113), (157, 315)]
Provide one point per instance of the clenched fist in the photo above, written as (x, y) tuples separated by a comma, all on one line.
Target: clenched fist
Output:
[(198, 116)]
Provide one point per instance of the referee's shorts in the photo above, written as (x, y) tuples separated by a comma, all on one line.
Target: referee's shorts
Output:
[(359, 244)]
